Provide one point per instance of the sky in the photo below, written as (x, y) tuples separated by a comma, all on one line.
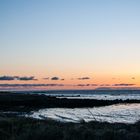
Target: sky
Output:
[(69, 44)]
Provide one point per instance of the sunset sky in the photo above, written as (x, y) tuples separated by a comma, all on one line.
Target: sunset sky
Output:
[(69, 44)]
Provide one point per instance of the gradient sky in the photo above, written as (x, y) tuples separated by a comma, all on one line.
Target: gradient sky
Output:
[(70, 39)]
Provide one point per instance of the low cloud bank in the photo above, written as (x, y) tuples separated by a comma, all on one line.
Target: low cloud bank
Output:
[(123, 84), (84, 78), (29, 85), (55, 78), (7, 78), (26, 78), (10, 78)]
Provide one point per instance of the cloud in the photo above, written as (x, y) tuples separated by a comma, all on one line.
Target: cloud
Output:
[(29, 85), (55, 78), (55, 85), (123, 84), (8, 78), (103, 88), (25, 78), (86, 85), (84, 78), (47, 78), (133, 78), (104, 85), (83, 85), (94, 85)]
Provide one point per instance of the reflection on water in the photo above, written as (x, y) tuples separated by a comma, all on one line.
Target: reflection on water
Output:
[(102, 97), (123, 113), (96, 94)]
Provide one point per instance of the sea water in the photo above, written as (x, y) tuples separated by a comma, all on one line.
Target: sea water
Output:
[(120, 113), (93, 94)]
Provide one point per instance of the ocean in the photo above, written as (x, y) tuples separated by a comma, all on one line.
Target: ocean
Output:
[(91, 94), (118, 113)]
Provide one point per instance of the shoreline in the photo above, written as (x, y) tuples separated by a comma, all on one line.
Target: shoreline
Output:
[(27, 102)]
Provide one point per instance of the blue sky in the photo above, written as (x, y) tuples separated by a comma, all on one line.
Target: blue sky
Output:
[(70, 37)]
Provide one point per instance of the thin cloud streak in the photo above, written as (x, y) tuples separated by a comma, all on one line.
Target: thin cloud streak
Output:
[(123, 84), (55, 78), (26, 78), (29, 85), (47, 78), (10, 78), (7, 78), (84, 78)]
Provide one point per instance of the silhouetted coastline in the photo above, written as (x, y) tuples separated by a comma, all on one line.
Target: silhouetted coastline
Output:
[(26, 102), (14, 126)]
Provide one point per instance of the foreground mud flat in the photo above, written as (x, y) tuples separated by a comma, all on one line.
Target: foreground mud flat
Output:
[(121, 113)]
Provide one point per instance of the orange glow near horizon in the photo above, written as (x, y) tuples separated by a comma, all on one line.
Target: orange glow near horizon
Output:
[(102, 81), (70, 40)]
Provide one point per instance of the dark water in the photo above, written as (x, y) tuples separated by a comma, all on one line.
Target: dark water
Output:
[(92, 94), (73, 92)]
